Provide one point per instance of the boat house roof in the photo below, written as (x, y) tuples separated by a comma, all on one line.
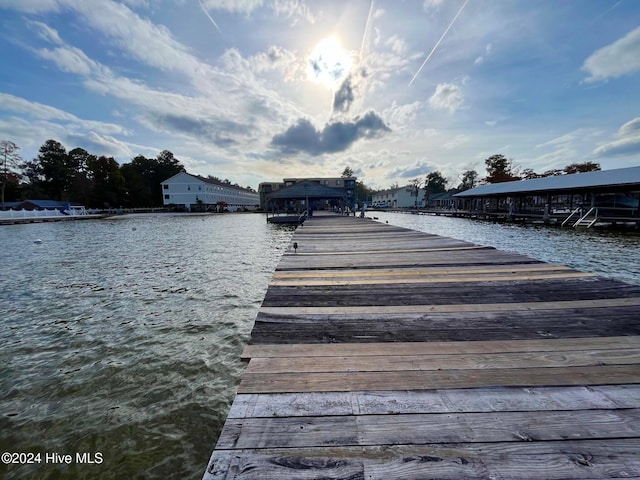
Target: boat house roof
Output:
[(601, 180), (306, 189)]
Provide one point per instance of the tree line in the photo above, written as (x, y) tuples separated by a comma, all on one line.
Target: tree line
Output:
[(84, 178), (499, 169)]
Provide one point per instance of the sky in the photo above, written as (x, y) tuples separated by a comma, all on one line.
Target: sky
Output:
[(260, 90)]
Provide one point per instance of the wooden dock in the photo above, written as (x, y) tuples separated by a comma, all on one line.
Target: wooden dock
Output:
[(384, 353)]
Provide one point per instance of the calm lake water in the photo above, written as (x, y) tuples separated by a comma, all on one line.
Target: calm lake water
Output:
[(123, 336)]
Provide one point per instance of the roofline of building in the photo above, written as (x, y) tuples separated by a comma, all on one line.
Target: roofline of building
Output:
[(621, 177)]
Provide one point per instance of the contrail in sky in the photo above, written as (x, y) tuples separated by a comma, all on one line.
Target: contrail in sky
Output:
[(366, 30), (209, 17), (438, 42)]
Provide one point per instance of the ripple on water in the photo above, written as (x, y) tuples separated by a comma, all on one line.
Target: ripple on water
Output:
[(127, 341)]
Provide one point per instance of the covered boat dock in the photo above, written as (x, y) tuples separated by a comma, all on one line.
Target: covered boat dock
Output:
[(580, 199), (295, 203)]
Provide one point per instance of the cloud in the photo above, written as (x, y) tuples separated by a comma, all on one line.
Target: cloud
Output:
[(344, 96), (100, 144), (455, 141), (397, 45), (615, 60), (446, 97), (428, 5), (402, 115), (627, 141), (295, 10), (210, 129), (69, 59), (417, 169), (487, 51), (39, 111), (234, 6), (303, 137)]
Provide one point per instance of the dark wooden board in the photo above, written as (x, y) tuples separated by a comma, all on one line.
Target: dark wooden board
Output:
[(586, 459), (433, 428), (454, 326)]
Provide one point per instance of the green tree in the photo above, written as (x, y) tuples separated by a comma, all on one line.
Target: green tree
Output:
[(435, 183), (138, 191), (469, 180), (82, 184), (108, 182), (552, 173), (57, 170), (529, 174), (499, 169), (347, 172), (144, 175), (582, 167), (363, 192), (10, 160)]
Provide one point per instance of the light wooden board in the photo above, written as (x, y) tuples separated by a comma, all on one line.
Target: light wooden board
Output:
[(434, 279), (398, 363), (386, 251), (406, 272), (441, 348), (425, 380), (482, 307)]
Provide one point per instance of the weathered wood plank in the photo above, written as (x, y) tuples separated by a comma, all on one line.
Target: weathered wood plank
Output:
[(587, 459), (388, 251), (404, 272), (398, 363), (441, 348), (488, 292), (435, 401), (435, 279), (420, 429), (461, 307), (421, 380)]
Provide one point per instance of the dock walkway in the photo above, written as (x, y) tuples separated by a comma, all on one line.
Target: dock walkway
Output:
[(385, 353)]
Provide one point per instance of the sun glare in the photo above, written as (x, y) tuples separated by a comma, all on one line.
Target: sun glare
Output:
[(329, 63)]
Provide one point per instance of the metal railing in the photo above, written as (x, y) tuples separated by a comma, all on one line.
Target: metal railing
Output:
[(575, 212), (584, 220)]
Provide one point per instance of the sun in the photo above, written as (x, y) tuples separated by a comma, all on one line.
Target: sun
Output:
[(329, 63)]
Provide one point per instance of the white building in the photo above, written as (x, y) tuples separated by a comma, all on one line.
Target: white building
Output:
[(190, 191), (401, 197)]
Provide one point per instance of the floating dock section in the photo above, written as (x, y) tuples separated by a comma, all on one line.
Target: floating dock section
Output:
[(385, 353)]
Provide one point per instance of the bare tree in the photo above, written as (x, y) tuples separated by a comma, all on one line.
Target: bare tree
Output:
[(10, 159), (416, 183)]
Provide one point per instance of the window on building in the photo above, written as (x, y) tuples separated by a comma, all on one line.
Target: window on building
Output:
[(167, 196), (337, 182), (165, 186)]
